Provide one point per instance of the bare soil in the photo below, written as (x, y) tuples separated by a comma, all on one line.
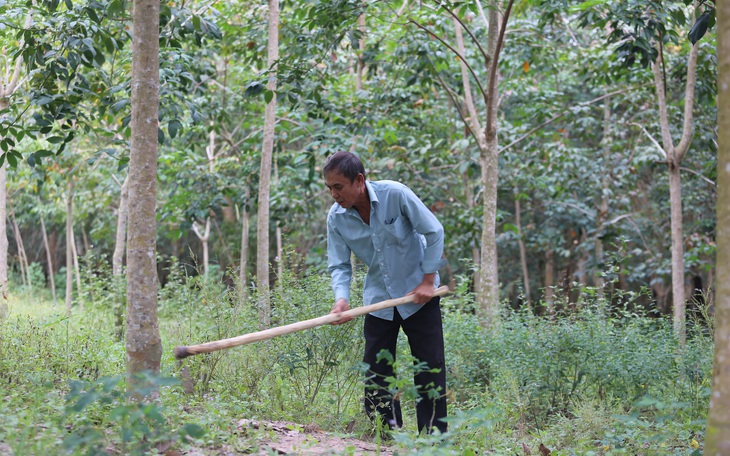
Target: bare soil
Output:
[(284, 438)]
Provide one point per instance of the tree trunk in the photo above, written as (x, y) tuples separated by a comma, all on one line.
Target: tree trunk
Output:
[(85, 238), (69, 245), (550, 281), (678, 292), (602, 209), (361, 53), (204, 242), (262, 259), (360, 67), (210, 154), (3, 243), (243, 272), (488, 291), (523, 251), (660, 293), (476, 129), (22, 256), (143, 344), (717, 434), (228, 211), (120, 243), (674, 157), (49, 259), (583, 254), (8, 83), (77, 270)]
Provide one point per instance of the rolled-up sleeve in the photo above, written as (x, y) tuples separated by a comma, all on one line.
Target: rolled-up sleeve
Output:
[(427, 225), (338, 261)]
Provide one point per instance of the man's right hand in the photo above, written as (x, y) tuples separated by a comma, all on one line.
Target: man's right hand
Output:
[(341, 306)]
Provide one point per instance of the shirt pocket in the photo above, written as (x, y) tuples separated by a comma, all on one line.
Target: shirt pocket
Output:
[(396, 230)]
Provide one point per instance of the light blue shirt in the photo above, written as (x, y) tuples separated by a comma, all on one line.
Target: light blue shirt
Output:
[(403, 241)]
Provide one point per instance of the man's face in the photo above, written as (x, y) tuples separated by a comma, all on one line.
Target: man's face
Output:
[(343, 191)]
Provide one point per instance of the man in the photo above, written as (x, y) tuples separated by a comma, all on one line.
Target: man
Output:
[(389, 229)]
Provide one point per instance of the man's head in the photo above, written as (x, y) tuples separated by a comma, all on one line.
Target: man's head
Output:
[(345, 163), (344, 176)]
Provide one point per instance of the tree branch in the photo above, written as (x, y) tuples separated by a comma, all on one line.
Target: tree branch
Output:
[(474, 39), (689, 97), (654, 141), (565, 112), (453, 100), (471, 70), (492, 81)]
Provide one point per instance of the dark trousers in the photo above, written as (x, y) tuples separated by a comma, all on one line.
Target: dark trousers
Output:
[(425, 337)]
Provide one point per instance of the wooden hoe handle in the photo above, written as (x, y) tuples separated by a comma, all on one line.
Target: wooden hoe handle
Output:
[(185, 351)]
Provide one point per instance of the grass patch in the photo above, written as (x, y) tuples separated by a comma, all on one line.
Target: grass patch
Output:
[(597, 380)]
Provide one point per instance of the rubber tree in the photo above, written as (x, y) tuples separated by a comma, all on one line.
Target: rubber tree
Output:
[(267, 148), (143, 343), (496, 18), (717, 435), (674, 153), (643, 33)]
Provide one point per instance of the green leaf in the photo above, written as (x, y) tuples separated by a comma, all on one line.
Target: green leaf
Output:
[(12, 161), (700, 27), (116, 107), (254, 89), (31, 160), (510, 227), (43, 100), (92, 15), (115, 7), (69, 5), (123, 163), (268, 96), (99, 58), (193, 430), (160, 136), (55, 139), (173, 127)]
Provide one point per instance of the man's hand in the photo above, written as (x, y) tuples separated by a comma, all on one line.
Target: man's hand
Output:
[(424, 291), (341, 306)]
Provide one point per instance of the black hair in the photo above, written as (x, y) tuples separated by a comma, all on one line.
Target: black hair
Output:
[(345, 163)]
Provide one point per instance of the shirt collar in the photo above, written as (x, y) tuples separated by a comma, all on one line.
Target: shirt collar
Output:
[(371, 193)]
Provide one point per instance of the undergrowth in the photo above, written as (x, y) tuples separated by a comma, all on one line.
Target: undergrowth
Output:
[(596, 379)]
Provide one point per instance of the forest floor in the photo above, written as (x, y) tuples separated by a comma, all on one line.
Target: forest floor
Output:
[(285, 438)]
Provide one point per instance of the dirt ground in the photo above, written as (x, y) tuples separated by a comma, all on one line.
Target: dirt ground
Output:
[(266, 438), (283, 438)]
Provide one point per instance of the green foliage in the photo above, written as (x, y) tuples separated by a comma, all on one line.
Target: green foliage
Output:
[(583, 380), (320, 363), (109, 402), (587, 355)]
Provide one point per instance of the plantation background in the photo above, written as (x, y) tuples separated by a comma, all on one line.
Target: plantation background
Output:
[(570, 151)]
